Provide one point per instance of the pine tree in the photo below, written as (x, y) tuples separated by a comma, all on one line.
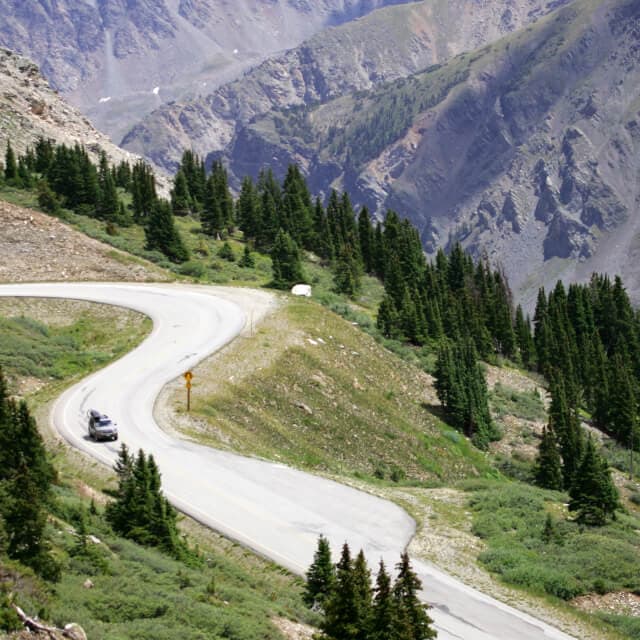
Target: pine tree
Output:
[(593, 495), (321, 576), (346, 272), (341, 609), (212, 216), (161, 232), (247, 261), (548, 467), (10, 166), (362, 589), (286, 262), (383, 616), (181, 202), (412, 620)]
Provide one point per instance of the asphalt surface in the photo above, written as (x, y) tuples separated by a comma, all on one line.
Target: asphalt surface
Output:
[(273, 509)]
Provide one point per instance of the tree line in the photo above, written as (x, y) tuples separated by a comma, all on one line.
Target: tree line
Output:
[(354, 610)]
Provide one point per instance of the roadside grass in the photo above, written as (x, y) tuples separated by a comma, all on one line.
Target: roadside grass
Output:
[(47, 348), (565, 560), (628, 626), (136, 592), (318, 393)]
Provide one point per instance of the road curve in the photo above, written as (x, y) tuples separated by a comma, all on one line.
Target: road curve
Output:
[(271, 508)]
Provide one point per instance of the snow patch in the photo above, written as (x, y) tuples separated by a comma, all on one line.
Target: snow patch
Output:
[(155, 91), (104, 99)]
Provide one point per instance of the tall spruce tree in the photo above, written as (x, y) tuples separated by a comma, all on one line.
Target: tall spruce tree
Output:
[(286, 262), (412, 620), (341, 608), (548, 466), (593, 495), (383, 614), (321, 576), (162, 234)]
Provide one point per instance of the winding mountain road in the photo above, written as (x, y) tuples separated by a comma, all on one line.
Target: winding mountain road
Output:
[(271, 508)]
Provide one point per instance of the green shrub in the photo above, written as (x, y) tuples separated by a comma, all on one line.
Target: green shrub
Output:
[(192, 268)]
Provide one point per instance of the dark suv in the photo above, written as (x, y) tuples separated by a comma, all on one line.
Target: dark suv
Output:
[(101, 427)]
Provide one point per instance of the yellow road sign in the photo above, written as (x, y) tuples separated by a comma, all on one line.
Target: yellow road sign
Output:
[(188, 375), (188, 384)]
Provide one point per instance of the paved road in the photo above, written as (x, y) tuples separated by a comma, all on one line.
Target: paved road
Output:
[(275, 510)]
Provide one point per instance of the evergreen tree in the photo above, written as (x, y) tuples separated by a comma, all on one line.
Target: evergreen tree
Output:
[(548, 467), (26, 476), (140, 511), (341, 608), (161, 233), (412, 620), (212, 216), (462, 390), (181, 202), (524, 338), (226, 252), (247, 261), (593, 495), (383, 616), (248, 210), (346, 272), (362, 589), (286, 262), (321, 576), (10, 166), (143, 190)]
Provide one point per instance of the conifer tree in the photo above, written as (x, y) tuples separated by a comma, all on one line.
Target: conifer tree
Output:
[(286, 262), (412, 620), (26, 476), (341, 608), (363, 594), (181, 202), (161, 232), (548, 467), (593, 495), (321, 576), (248, 210), (365, 235), (247, 261), (383, 615), (10, 165), (346, 272), (212, 215)]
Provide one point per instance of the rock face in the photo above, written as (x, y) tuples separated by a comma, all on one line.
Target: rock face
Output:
[(29, 108), (108, 56), (387, 44)]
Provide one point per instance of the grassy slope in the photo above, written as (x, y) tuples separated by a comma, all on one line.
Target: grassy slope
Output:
[(314, 391), (141, 593)]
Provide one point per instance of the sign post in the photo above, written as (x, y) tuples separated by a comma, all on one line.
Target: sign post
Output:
[(187, 376)]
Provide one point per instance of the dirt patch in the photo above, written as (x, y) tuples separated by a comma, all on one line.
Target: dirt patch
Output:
[(35, 247), (293, 630), (620, 603)]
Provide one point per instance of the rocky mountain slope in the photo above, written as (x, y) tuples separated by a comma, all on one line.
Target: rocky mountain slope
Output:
[(387, 44), (30, 108), (118, 59), (35, 247), (526, 150)]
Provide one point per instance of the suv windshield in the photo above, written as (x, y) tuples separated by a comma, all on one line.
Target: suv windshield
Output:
[(104, 422)]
